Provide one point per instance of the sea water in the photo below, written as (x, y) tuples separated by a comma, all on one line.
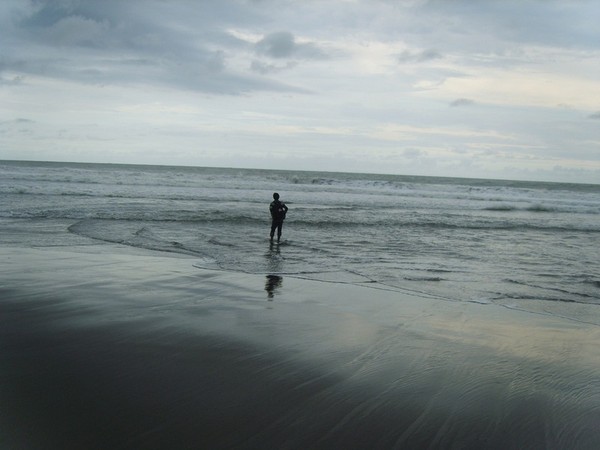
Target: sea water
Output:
[(526, 245)]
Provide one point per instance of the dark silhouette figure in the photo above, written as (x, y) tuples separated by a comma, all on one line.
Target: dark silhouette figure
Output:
[(278, 211), (273, 283)]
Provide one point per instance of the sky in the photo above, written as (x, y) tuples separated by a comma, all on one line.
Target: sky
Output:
[(504, 89)]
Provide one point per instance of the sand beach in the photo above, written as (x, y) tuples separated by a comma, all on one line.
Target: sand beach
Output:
[(106, 346)]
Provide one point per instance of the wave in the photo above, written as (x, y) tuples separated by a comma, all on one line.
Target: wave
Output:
[(503, 207), (539, 298), (152, 195), (442, 225), (595, 283), (132, 179), (202, 199), (542, 208), (425, 279), (567, 296), (255, 218), (141, 238)]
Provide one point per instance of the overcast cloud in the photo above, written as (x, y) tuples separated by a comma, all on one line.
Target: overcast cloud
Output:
[(497, 88)]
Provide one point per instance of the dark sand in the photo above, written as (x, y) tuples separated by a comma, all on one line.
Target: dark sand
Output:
[(105, 347)]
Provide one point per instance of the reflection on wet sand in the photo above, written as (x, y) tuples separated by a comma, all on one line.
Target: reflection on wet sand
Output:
[(180, 357), (275, 261), (272, 285)]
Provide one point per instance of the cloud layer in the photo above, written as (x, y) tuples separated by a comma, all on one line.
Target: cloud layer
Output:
[(337, 85)]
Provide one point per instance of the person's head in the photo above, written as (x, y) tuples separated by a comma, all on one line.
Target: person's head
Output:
[(276, 196)]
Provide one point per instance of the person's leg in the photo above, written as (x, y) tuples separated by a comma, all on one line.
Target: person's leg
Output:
[(279, 227), (273, 226)]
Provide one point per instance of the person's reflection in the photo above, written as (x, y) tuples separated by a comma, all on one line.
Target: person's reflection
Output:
[(272, 284), (274, 265)]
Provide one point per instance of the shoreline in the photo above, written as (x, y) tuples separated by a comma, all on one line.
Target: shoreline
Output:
[(105, 346)]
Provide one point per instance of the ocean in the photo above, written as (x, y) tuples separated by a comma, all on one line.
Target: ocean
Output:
[(531, 246)]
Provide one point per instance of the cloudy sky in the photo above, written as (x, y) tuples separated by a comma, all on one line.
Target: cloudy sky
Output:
[(489, 88)]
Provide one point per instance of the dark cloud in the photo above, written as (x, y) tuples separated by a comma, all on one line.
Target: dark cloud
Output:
[(11, 81), (462, 102), (265, 69), (420, 56), (47, 13), (184, 44), (595, 116), (557, 22), (16, 121), (282, 44)]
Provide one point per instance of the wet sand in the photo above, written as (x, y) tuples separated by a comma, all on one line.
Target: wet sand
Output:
[(104, 346)]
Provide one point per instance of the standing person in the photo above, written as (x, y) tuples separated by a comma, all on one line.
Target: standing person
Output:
[(278, 211)]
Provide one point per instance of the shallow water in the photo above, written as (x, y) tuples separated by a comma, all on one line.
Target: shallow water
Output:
[(524, 245)]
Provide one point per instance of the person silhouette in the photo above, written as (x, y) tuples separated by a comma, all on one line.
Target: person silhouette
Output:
[(278, 211)]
